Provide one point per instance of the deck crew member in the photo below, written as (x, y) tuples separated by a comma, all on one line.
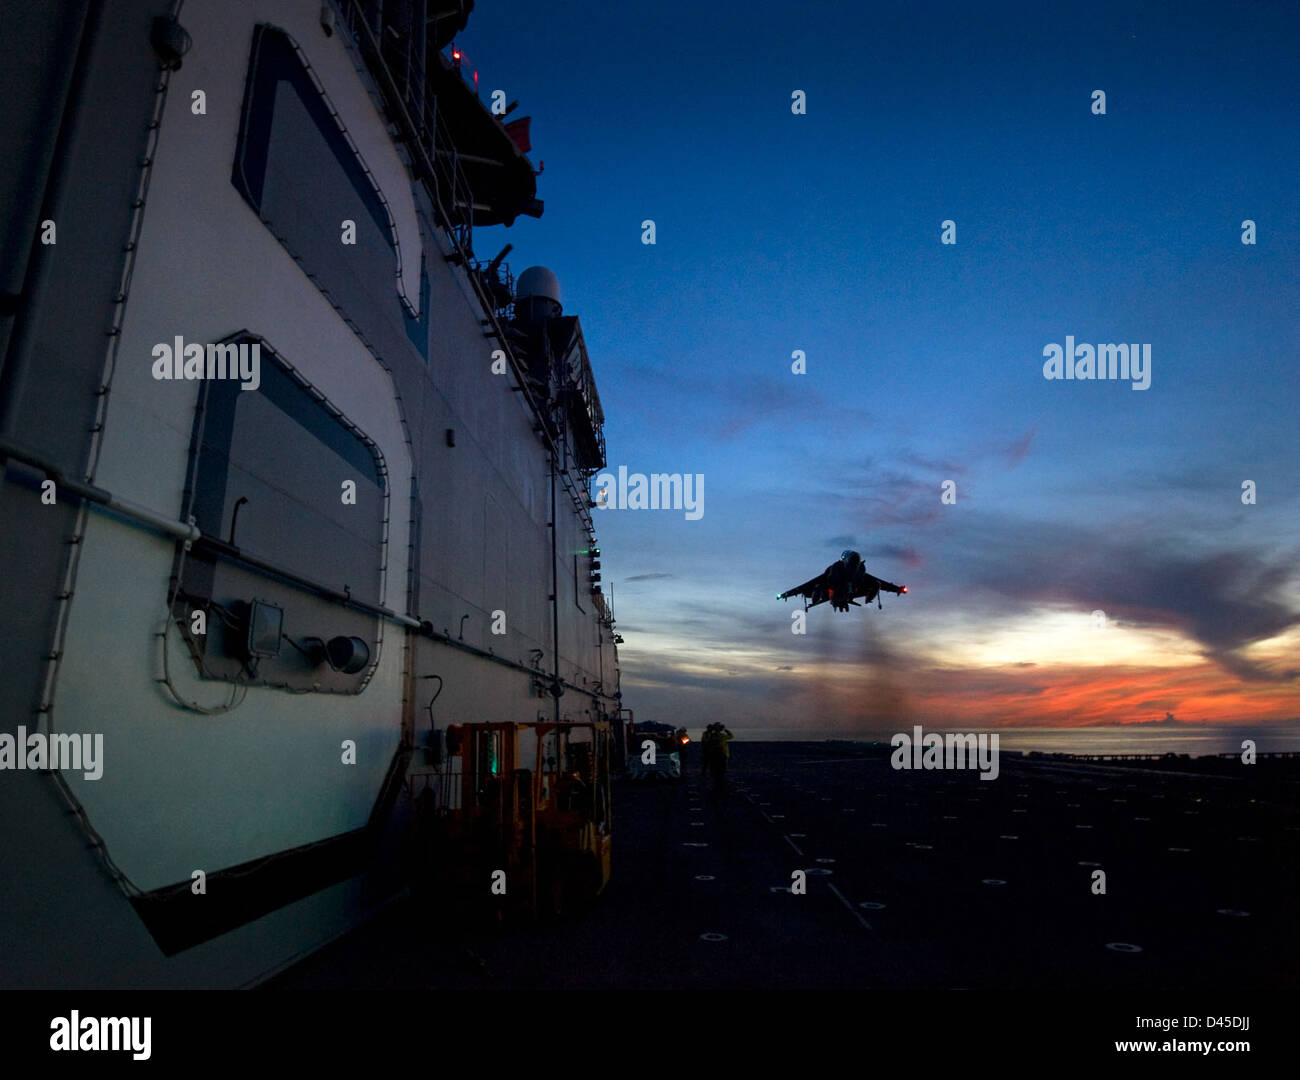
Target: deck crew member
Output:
[(718, 759), (708, 744)]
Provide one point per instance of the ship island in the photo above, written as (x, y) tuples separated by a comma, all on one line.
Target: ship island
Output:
[(296, 515)]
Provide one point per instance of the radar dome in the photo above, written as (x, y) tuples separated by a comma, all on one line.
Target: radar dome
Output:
[(537, 281)]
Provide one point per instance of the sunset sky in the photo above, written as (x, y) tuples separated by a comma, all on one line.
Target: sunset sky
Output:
[(821, 232)]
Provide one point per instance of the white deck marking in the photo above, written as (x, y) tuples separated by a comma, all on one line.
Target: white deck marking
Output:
[(761, 811), (852, 910), (834, 761)]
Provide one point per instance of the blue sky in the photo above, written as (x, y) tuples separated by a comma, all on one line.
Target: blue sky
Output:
[(820, 232)]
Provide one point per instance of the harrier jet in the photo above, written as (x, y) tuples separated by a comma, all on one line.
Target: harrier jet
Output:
[(842, 583)]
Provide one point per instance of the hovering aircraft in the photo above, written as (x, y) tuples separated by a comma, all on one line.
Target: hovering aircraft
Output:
[(842, 583)]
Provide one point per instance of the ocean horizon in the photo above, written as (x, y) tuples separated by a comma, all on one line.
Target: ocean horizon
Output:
[(1193, 739)]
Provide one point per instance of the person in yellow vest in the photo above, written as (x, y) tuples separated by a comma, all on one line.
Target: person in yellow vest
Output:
[(721, 753), (708, 747)]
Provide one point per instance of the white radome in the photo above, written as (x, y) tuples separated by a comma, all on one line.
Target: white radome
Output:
[(538, 281)]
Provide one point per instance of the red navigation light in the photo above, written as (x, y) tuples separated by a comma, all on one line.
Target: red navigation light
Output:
[(455, 54), (904, 588), (685, 739)]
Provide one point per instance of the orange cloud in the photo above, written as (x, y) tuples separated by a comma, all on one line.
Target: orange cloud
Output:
[(1079, 696)]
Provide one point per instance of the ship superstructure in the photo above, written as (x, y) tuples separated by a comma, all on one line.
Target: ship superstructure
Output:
[(292, 480)]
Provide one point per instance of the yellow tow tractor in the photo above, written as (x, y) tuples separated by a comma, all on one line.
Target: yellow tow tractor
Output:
[(494, 837)]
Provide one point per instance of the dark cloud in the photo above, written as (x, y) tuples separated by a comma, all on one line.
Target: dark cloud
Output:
[(875, 500), (734, 406), (1170, 719), (1016, 452), (650, 673), (658, 576), (904, 553), (1225, 601), (757, 399), (940, 466), (977, 682)]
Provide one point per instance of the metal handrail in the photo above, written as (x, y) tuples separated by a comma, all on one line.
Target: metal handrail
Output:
[(423, 138), (427, 137)]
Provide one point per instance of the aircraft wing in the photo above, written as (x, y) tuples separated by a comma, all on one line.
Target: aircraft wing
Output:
[(871, 587), (887, 586), (808, 588)]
